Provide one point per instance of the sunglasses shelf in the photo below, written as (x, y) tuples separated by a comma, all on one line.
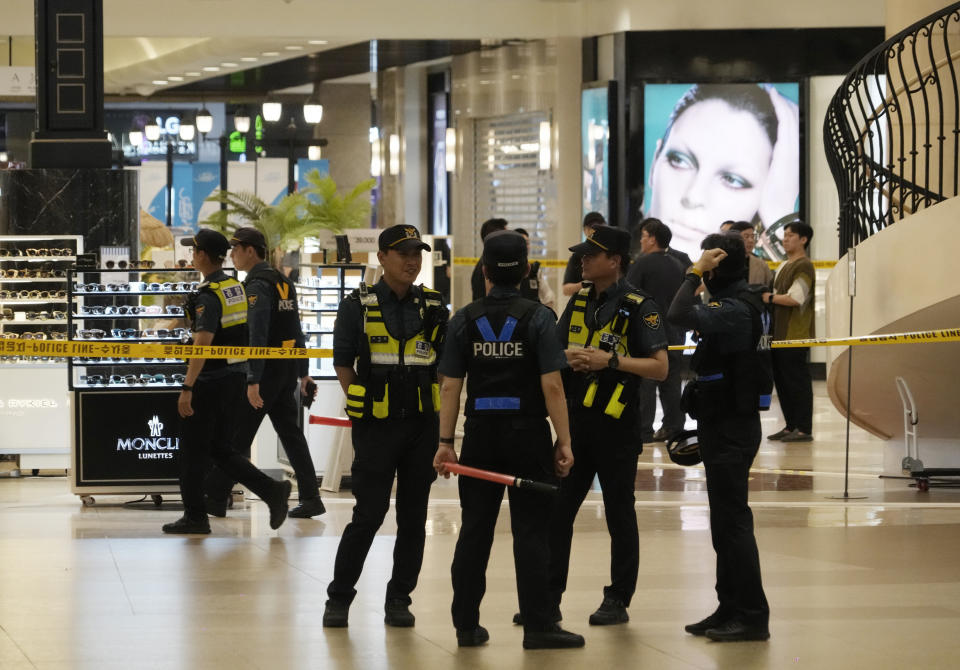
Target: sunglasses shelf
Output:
[(321, 287), (29, 267), (124, 289)]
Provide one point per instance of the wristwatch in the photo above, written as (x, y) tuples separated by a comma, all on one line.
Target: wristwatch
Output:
[(614, 361), (186, 387)]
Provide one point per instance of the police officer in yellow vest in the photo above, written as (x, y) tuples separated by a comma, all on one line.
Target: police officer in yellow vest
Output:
[(393, 332), (612, 335), (214, 391)]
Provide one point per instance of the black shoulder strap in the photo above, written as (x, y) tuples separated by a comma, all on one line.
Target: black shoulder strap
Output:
[(519, 307)]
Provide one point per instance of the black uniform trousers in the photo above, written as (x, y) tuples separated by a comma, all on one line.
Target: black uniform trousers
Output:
[(383, 448), (209, 434), (515, 446), (791, 374), (728, 446), (280, 394), (673, 416), (605, 448)]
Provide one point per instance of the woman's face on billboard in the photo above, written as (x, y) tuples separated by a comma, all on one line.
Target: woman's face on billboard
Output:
[(712, 168)]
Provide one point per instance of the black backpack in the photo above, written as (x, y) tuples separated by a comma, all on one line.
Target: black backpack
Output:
[(762, 335)]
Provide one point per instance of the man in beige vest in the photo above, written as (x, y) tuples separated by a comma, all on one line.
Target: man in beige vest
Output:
[(759, 271), (792, 298)]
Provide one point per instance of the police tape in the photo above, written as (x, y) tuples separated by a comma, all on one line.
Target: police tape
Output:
[(559, 263), (100, 349), (916, 337)]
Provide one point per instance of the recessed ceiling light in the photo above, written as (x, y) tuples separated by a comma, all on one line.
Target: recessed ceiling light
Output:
[(270, 53), (174, 78), (228, 64), (160, 82), (211, 68), (318, 41), (249, 59), (192, 74), (293, 47)]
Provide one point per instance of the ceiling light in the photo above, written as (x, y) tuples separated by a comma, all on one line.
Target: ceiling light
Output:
[(211, 68), (318, 42), (241, 120), (270, 53), (450, 149), (192, 74), (293, 47), (314, 153), (4, 157), (228, 65), (188, 131), (136, 137), (272, 110), (152, 131), (312, 109), (249, 59), (160, 82), (204, 121), (174, 78)]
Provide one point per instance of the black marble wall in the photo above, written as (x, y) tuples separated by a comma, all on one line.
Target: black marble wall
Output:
[(101, 205)]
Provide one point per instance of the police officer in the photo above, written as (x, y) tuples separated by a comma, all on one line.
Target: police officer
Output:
[(532, 287), (725, 400), (613, 336), (506, 347), (213, 390), (393, 331), (273, 318)]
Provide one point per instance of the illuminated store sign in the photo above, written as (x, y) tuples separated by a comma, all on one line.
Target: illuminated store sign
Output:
[(154, 447)]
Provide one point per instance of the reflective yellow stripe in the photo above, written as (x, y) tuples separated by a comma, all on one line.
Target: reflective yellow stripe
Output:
[(385, 349)]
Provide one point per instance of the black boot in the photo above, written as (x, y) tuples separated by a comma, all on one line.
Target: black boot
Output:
[(279, 504), (472, 638), (335, 614), (397, 613), (187, 526), (610, 612), (553, 638), (308, 508)]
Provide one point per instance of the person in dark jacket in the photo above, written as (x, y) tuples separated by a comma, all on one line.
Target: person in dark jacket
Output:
[(478, 288), (725, 399), (274, 386)]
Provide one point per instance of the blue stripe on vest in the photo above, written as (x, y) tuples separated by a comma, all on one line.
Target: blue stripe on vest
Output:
[(496, 403), (486, 330), (710, 378)]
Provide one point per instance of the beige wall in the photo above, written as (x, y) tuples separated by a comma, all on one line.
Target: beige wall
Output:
[(538, 76), (345, 125)]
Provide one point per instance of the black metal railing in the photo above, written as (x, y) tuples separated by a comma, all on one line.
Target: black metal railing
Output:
[(892, 131)]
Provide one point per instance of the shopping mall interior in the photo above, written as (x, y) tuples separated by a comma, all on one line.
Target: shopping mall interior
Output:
[(127, 126)]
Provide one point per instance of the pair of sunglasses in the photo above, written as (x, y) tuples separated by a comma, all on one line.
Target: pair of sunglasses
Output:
[(133, 265), (102, 288), (31, 295), (43, 251), (164, 332), (36, 316)]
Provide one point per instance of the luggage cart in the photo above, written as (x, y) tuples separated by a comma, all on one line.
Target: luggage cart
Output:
[(911, 463)]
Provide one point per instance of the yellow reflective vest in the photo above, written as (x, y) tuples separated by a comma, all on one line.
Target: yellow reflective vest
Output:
[(233, 317), (608, 391), (397, 378)]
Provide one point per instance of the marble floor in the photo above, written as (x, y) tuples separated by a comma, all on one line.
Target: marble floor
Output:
[(867, 583)]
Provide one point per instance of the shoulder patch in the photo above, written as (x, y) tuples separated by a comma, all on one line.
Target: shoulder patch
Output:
[(634, 297), (652, 320), (200, 310), (252, 300), (713, 304)]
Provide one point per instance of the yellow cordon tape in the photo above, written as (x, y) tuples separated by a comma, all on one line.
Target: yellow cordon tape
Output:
[(916, 337), (87, 349), (557, 263), (95, 349)]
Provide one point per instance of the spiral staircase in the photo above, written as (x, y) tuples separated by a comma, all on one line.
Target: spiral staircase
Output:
[(892, 137)]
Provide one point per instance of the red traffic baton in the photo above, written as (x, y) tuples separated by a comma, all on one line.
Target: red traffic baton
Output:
[(500, 478), (330, 421)]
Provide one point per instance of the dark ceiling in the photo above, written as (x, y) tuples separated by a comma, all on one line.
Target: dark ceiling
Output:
[(323, 65)]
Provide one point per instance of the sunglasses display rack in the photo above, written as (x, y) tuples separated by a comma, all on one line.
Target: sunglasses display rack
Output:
[(320, 288), (112, 305), (34, 295)]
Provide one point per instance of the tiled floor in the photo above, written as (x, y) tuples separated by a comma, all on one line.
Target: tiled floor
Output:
[(871, 583)]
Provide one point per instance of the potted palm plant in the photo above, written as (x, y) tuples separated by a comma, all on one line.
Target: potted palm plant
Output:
[(302, 214)]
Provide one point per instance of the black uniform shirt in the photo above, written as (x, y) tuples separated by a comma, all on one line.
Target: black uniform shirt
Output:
[(261, 297), (401, 318), (573, 273), (207, 316), (723, 315), (550, 356), (660, 275), (646, 334)]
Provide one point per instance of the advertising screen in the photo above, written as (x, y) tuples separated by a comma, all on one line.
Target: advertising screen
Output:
[(595, 148), (127, 438), (722, 152)]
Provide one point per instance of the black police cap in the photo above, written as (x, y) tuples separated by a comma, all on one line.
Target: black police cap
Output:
[(605, 238), (401, 238), (210, 241)]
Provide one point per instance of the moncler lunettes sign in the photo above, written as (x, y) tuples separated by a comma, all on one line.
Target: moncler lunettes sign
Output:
[(154, 447)]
